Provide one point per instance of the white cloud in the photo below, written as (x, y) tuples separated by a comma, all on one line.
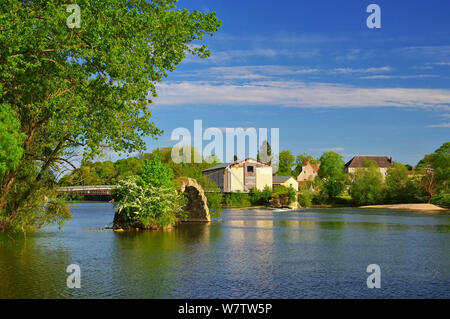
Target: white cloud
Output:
[(260, 72), (251, 72), (298, 94), (442, 51), (367, 70), (218, 57), (413, 76), (442, 125), (423, 67)]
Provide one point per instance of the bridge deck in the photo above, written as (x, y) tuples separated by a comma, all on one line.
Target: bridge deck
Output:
[(99, 190)]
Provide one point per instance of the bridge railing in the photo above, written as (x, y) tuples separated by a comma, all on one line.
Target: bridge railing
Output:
[(87, 190), (94, 187)]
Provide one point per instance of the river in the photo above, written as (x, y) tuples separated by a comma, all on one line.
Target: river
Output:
[(246, 253)]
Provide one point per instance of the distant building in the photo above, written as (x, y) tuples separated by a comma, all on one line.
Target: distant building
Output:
[(240, 175), (356, 162), (287, 181), (309, 172)]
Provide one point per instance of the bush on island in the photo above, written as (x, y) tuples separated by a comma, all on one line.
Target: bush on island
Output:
[(148, 200)]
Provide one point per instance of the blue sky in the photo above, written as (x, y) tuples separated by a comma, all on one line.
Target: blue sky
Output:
[(314, 70)]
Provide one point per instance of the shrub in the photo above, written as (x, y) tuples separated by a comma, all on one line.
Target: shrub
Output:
[(258, 197), (148, 200), (280, 190), (305, 197), (399, 188), (320, 197), (213, 195), (237, 199), (442, 200), (156, 173), (366, 186)]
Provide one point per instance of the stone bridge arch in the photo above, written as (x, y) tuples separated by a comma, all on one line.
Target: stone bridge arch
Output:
[(196, 207)]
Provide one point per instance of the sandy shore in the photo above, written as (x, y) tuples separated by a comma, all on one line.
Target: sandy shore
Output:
[(423, 207)]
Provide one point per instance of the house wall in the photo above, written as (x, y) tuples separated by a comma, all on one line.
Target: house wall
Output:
[(307, 173), (232, 179), (236, 179), (217, 176), (383, 170), (263, 177), (226, 181), (291, 182)]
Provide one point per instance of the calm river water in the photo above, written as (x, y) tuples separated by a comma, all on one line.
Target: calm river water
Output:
[(247, 253)]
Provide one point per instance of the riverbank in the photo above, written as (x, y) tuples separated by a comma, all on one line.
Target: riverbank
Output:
[(421, 207)]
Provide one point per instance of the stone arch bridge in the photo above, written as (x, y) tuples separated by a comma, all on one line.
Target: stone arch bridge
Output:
[(196, 207)]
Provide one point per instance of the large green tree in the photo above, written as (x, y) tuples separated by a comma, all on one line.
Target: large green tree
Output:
[(366, 185), (331, 171), (81, 88), (436, 179), (285, 162), (11, 139), (400, 187)]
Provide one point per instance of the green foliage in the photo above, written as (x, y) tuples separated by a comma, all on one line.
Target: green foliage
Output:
[(399, 187), (442, 200), (366, 186), (332, 173), (305, 196), (149, 199), (85, 88), (283, 190), (258, 197), (213, 195), (156, 173), (44, 208), (237, 199), (285, 163), (11, 139), (439, 161), (146, 205), (97, 174)]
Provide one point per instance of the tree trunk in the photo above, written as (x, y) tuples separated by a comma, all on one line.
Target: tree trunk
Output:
[(6, 189), (38, 178)]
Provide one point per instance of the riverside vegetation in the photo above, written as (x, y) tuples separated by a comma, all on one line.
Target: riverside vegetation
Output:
[(65, 91), (428, 182)]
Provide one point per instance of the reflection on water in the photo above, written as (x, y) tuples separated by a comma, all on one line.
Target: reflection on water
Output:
[(251, 253)]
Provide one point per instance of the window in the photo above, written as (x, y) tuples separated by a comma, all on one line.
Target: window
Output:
[(249, 169)]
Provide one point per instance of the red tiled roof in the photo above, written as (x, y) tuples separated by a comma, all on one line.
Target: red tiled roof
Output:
[(358, 161)]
